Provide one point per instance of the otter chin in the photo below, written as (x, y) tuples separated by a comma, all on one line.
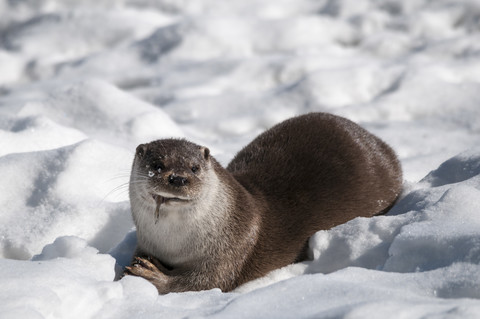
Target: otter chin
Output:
[(167, 199), (202, 226)]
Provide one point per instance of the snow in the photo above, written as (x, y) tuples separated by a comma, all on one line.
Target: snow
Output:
[(82, 83)]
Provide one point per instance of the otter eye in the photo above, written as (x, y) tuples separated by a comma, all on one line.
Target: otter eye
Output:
[(195, 169), (158, 167)]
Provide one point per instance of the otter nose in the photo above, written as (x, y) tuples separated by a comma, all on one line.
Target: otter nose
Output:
[(176, 180)]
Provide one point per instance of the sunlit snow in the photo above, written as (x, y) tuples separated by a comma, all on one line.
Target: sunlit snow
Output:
[(82, 83)]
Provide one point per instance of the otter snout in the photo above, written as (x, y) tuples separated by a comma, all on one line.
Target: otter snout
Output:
[(176, 180)]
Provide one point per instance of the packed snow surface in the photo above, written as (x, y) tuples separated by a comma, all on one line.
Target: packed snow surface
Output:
[(83, 82)]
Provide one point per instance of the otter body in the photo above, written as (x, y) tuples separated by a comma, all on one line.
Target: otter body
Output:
[(201, 226)]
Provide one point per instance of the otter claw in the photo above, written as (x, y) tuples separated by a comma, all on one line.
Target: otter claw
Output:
[(145, 269), (145, 263)]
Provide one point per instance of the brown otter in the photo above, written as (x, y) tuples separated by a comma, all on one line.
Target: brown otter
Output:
[(200, 226)]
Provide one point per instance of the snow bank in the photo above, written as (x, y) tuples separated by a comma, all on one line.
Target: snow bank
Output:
[(68, 279), (82, 83), (59, 192)]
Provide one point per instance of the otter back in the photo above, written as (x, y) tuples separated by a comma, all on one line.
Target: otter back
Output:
[(315, 171)]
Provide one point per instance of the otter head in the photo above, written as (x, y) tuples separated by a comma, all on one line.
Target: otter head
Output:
[(168, 174)]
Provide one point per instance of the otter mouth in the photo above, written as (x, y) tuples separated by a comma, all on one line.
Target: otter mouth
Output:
[(161, 200)]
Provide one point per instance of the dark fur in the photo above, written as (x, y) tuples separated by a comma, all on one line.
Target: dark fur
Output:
[(306, 174)]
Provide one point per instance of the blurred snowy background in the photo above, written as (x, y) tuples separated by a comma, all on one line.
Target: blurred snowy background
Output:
[(83, 82)]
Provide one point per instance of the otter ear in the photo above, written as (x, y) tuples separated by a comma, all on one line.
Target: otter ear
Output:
[(141, 150), (206, 152)]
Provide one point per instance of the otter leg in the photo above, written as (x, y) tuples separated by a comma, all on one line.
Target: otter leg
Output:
[(207, 276), (144, 268)]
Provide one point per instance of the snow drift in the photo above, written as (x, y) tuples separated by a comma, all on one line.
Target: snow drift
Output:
[(82, 83)]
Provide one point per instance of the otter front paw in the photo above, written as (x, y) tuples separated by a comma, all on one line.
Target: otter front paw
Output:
[(142, 267)]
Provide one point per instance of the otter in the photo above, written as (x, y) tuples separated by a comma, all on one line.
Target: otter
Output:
[(201, 226)]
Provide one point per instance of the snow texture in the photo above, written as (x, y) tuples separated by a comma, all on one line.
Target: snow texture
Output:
[(83, 82)]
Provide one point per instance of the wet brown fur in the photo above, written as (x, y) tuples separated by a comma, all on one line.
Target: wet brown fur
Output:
[(306, 174)]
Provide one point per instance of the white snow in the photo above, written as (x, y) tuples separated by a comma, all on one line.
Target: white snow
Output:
[(82, 83)]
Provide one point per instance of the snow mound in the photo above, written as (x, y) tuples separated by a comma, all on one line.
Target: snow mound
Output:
[(98, 108), (48, 194), (69, 279)]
